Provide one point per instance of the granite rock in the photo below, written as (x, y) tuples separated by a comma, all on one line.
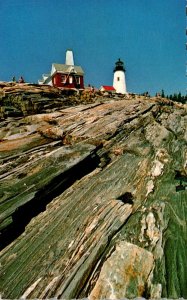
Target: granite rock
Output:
[(93, 201), (125, 274)]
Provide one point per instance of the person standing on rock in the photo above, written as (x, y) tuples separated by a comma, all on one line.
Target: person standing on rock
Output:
[(21, 80)]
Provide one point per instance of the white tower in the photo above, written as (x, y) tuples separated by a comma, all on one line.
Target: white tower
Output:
[(119, 82), (69, 58)]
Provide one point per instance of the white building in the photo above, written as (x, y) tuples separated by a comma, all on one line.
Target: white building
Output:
[(119, 82)]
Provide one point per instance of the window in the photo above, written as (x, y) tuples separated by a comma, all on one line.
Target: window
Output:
[(118, 78), (78, 81), (70, 79), (63, 78)]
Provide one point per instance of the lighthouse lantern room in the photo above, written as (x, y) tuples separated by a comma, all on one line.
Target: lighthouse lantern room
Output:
[(119, 82)]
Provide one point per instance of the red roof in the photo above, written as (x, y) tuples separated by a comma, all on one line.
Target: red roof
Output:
[(108, 88)]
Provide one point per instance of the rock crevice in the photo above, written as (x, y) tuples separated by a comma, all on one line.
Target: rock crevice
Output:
[(99, 191)]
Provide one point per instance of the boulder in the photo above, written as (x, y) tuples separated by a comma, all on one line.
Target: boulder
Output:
[(125, 274)]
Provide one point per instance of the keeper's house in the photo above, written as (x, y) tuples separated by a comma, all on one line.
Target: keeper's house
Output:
[(65, 75), (107, 88)]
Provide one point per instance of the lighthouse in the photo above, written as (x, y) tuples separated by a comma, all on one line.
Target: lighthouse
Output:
[(119, 78)]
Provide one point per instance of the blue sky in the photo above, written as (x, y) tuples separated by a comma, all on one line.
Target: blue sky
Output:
[(148, 35)]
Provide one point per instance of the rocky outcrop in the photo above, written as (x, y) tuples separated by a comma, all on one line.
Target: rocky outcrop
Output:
[(93, 201), (22, 99)]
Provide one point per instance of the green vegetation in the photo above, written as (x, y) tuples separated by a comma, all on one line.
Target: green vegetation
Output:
[(175, 97), (178, 98)]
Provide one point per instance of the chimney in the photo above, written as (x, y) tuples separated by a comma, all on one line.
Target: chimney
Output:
[(69, 58)]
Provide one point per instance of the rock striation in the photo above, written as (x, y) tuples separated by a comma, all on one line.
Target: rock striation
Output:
[(93, 201), (22, 99)]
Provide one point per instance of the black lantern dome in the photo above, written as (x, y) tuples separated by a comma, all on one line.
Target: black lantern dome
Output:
[(119, 66)]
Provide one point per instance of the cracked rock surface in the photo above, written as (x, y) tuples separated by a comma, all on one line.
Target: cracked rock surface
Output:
[(93, 202)]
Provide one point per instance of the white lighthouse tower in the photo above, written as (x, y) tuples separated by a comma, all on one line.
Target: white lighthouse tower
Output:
[(119, 82)]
